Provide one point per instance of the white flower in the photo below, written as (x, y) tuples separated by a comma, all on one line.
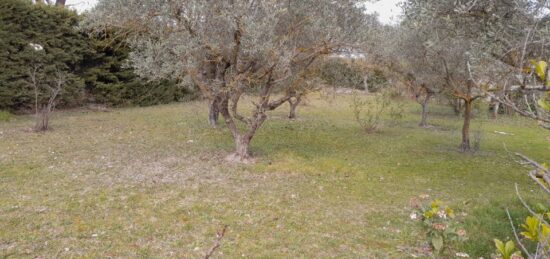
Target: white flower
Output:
[(442, 214), (413, 216), (462, 255)]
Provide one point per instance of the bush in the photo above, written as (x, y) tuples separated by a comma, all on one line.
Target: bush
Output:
[(342, 73), (397, 112), (5, 116), (368, 111), (377, 80), (442, 228)]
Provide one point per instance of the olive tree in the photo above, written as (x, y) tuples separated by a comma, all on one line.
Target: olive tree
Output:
[(519, 58), (465, 41), (443, 50), (231, 48), (422, 77)]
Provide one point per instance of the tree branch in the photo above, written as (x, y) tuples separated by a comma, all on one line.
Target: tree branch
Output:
[(527, 206), (234, 108), (516, 235), (521, 112), (217, 243)]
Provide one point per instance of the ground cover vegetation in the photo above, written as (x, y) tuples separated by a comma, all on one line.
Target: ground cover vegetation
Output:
[(426, 138)]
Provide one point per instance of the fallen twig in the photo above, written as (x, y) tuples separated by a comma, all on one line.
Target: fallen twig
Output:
[(516, 235), (540, 173), (533, 163), (529, 208), (533, 175), (217, 243)]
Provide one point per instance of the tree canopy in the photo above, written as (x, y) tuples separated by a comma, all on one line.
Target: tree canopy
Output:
[(232, 47)]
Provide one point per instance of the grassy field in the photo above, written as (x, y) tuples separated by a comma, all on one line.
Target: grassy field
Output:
[(151, 183)]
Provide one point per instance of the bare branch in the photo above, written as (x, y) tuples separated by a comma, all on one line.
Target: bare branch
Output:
[(518, 240), (520, 111), (528, 207), (533, 176), (217, 242), (532, 162)]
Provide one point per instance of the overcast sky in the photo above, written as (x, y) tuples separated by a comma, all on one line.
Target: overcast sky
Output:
[(388, 10), (81, 5)]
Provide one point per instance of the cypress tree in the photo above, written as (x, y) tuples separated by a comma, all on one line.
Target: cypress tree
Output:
[(38, 35), (47, 37), (110, 80)]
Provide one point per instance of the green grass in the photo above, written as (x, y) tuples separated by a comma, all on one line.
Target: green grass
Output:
[(5, 116), (151, 183)]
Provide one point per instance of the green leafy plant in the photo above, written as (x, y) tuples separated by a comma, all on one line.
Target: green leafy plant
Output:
[(442, 227), (531, 227), (544, 101), (544, 104), (540, 68), (536, 229), (507, 251)]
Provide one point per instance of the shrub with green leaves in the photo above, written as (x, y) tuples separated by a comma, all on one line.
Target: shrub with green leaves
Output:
[(507, 251), (441, 226), (342, 73), (368, 111), (536, 230), (377, 80)]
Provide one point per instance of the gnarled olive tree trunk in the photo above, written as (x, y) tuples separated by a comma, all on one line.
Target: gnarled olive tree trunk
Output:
[(468, 97), (425, 109), (207, 44), (213, 113), (243, 138)]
